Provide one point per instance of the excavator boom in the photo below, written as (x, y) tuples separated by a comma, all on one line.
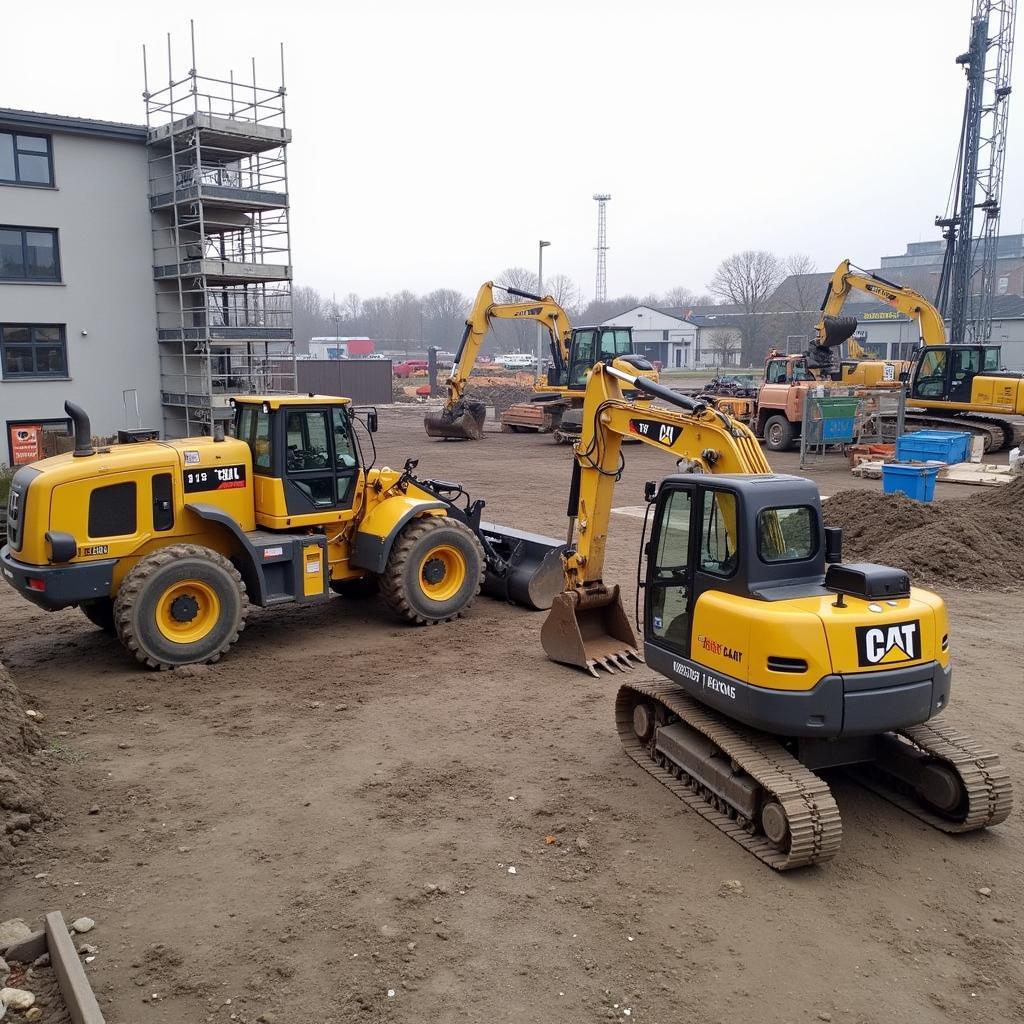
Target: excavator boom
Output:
[(587, 626)]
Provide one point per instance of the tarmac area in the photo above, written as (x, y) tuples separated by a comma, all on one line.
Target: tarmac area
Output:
[(350, 819)]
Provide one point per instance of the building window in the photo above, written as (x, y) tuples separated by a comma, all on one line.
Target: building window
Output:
[(25, 159), (33, 350), (29, 254)]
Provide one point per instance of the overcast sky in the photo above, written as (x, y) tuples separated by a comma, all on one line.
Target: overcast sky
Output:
[(436, 142)]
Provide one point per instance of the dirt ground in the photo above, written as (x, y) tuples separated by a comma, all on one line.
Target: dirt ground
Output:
[(321, 828)]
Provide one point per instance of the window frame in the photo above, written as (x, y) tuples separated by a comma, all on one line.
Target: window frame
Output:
[(814, 533), (16, 180), (25, 279), (64, 374)]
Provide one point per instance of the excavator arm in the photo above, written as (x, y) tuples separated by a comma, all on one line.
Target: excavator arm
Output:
[(461, 419), (833, 329), (586, 625)]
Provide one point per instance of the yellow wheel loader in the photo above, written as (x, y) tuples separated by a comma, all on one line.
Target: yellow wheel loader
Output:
[(167, 543), (777, 660), (573, 352)]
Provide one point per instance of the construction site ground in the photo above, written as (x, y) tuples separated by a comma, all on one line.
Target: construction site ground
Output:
[(322, 827)]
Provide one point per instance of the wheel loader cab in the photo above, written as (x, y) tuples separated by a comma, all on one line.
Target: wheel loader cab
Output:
[(304, 456)]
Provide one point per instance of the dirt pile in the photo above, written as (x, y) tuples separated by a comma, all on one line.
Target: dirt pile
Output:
[(22, 806), (964, 542)]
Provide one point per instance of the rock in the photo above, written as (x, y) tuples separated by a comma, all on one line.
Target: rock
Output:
[(13, 930), (587, 904), (825, 1017), (87, 949), (5, 970), (985, 891), (35, 1013), (582, 845), (83, 925), (16, 998), (19, 823), (266, 1018), (731, 887), (442, 934), (41, 961), (95, 809), (128, 746)]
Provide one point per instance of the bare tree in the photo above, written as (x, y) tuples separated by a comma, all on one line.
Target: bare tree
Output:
[(748, 279), (518, 277), (722, 344), (564, 290), (798, 299), (444, 312)]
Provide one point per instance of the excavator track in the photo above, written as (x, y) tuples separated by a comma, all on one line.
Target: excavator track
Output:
[(814, 826), (986, 782)]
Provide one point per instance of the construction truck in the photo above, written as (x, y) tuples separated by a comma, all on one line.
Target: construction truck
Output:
[(778, 659), (168, 543), (952, 387), (573, 351)]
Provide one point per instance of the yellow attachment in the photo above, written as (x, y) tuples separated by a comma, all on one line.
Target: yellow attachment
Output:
[(442, 572), (187, 611)]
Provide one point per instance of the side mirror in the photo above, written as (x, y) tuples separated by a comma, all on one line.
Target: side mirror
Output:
[(371, 421), (650, 491), (833, 544), (904, 377)]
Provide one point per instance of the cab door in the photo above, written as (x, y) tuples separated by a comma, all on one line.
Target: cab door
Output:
[(669, 589), (320, 464)]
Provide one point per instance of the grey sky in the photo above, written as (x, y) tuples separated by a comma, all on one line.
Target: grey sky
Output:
[(436, 142)]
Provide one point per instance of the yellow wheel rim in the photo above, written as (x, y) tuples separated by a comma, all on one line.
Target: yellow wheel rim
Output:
[(442, 572), (187, 611)]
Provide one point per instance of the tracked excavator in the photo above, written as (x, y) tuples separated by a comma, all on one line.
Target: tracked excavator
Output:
[(777, 659), (573, 352), (960, 387)]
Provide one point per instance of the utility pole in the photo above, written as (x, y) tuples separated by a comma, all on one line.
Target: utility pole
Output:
[(601, 284), (541, 246)]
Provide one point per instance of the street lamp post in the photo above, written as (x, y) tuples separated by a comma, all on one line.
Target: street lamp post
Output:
[(540, 291)]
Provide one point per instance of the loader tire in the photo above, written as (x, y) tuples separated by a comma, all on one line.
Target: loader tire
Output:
[(100, 612), (182, 605), (778, 434), (356, 589), (434, 571)]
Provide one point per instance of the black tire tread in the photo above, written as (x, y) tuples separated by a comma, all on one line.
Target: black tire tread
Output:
[(134, 582), (391, 580)]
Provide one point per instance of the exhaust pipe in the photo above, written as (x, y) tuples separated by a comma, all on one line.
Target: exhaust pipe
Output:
[(83, 430)]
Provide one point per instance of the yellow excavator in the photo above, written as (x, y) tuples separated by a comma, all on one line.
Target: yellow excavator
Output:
[(168, 543), (778, 659), (573, 351), (959, 387)]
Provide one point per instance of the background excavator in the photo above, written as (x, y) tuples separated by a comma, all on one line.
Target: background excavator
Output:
[(958, 387), (573, 351), (778, 660)]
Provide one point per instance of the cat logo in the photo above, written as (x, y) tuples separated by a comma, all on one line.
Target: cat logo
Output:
[(891, 644), (664, 432)]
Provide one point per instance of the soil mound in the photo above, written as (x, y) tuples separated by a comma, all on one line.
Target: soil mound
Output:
[(963, 542), (22, 806)]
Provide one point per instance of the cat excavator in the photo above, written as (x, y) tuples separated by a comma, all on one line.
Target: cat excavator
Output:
[(959, 387), (777, 660), (573, 351)]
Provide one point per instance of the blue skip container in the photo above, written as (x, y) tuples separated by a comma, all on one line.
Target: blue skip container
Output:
[(917, 482), (947, 446)]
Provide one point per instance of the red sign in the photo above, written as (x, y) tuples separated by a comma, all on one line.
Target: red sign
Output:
[(26, 442)]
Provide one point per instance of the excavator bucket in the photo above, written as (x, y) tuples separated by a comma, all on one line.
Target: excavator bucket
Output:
[(838, 329), (523, 568), (587, 627), (463, 422)]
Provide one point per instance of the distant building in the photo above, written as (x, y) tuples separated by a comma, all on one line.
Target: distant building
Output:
[(341, 348), (660, 335), (920, 266)]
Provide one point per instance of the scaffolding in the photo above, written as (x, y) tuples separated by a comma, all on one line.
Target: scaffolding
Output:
[(222, 270)]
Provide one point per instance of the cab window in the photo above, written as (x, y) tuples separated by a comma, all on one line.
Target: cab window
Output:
[(669, 576), (614, 343), (254, 430), (993, 358), (930, 379), (787, 534), (719, 534), (306, 440), (344, 449), (776, 372), (584, 356)]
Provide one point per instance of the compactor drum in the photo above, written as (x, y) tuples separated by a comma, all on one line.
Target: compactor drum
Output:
[(778, 661)]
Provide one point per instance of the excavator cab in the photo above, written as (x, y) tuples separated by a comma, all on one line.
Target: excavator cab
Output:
[(946, 372)]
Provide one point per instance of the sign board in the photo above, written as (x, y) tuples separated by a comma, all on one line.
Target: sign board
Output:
[(26, 443)]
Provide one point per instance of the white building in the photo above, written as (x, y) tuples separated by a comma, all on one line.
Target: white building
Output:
[(660, 335)]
